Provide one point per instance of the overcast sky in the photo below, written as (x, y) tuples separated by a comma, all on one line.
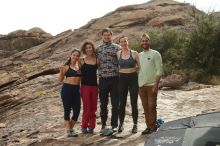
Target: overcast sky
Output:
[(56, 16)]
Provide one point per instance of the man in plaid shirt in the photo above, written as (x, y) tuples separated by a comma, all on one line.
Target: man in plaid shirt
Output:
[(108, 78)]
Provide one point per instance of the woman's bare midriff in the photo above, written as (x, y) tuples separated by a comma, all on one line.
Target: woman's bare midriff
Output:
[(128, 70), (72, 80)]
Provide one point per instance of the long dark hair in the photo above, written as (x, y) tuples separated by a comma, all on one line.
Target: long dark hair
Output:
[(68, 62)]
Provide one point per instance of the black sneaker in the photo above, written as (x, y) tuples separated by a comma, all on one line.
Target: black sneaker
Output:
[(84, 130), (148, 131), (134, 129), (90, 130), (120, 128)]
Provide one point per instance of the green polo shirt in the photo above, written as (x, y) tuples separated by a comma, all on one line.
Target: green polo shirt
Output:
[(150, 66)]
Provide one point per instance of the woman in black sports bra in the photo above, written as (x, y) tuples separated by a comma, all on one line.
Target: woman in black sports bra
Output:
[(70, 75), (89, 87), (129, 66)]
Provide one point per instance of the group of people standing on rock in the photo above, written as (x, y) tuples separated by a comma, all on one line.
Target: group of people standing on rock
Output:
[(120, 69)]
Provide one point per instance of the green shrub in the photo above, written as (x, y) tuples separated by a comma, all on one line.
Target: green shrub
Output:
[(171, 44), (203, 49), (135, 46), (197, 50)]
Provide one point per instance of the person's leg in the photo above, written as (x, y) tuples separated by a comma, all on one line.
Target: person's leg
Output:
[(85, 94), (152, 104), (133, 89), (123, 92), (66, 100), (93, 103), (66, 94), (71, 132), (67, 111), (72, 123), (76, 103), (103, 96), (114, 102), (144, 99)]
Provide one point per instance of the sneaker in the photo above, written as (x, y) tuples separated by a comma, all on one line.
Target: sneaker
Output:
[(90, 130), (120, 128), (134, 129), (114, 129), (71, 133), (84, 130), (103, 127), (148, 131)]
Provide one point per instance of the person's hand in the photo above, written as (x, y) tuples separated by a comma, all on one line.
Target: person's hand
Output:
[(137, 69), (155, 89), (62, 69)]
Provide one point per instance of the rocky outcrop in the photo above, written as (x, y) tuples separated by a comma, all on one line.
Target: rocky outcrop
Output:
[(173, 81), (133, 20), (20, 40)]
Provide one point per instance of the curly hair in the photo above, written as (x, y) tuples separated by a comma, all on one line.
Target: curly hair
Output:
[(83, 48)]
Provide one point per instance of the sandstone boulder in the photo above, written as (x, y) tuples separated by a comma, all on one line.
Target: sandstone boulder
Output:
[(173, 81), (21, 40)]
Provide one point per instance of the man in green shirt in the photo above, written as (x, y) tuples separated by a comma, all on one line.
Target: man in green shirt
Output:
[(151, 67)]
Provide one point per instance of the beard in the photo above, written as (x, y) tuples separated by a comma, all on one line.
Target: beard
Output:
[(145, 47)]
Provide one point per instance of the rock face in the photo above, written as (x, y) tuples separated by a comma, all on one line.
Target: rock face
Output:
[(30, 104), (133, 20), (19, 40)]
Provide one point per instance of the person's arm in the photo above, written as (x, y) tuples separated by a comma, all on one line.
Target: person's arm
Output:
[(97, 56), (118, 54), (159, 71), (156, 85), (137, 61), (81, 62), (62, 72)]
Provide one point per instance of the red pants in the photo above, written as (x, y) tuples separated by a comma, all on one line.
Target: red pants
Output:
[(89, 96), (149, 102)]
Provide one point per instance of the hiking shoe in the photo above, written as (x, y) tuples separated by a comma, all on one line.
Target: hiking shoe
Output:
[(148, 131), (84, 130), (120, 128), (90, 130), (134, 129), (71, 133)]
